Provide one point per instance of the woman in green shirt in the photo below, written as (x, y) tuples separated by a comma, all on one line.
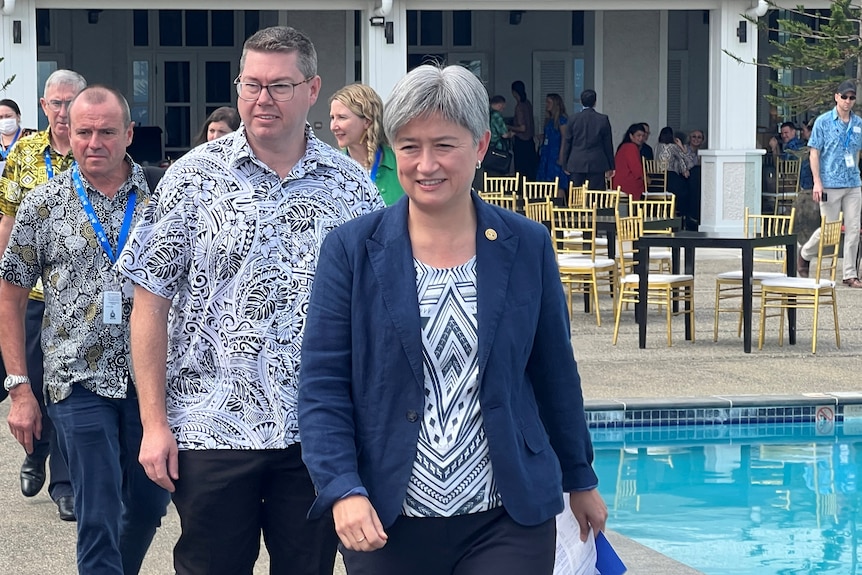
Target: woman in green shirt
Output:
[(355, 119)]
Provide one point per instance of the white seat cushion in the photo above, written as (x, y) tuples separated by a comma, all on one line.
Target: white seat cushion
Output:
[(566, 261), (737, 275), (658, 278), (791, 282)]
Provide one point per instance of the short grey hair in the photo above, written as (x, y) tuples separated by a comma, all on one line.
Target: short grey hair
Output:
[(453, 92), (65, 78), (97, 94), (283, 39)]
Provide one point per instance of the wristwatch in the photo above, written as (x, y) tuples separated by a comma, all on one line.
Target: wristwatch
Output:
[(14, 381)]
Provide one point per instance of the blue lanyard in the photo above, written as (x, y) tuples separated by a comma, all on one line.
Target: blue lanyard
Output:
[(8, 149), (376, 164), (94, 219), (848, 133), (48, 167)]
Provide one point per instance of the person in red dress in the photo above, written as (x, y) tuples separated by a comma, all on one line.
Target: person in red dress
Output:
[(629, 176)]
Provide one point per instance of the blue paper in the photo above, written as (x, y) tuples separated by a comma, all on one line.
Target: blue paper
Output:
[(607, 560)]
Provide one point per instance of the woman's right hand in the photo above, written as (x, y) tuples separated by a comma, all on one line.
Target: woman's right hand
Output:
[(357, 524)]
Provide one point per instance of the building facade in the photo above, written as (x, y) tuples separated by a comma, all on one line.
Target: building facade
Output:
[(663, 62)]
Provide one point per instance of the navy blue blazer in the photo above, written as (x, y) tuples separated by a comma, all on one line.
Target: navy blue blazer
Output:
[(361, 383)]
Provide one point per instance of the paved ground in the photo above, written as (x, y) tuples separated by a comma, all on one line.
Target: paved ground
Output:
[(705, 367), (34, 542)]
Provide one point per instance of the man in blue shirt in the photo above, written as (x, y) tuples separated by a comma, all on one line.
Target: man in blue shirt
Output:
[(834, 154), (789, 141)]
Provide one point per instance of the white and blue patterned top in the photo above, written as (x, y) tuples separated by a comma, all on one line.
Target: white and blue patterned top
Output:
[(835, 140), (452, 473), (235, 246)]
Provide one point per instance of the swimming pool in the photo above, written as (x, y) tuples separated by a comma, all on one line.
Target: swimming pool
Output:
[(772, 498)]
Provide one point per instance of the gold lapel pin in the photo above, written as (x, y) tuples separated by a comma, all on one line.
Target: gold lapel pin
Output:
[(491, 234)]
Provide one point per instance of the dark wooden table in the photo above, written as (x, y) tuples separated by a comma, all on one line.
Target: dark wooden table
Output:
[(608, 225), (690, 242)]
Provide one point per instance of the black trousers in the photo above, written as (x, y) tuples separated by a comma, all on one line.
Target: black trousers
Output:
[(476, 544), (596, 180), (225, 498), (525, 158), (3, 393), (47, 447)]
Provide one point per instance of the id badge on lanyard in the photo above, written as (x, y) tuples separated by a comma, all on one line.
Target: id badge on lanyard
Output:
[(112, 303)]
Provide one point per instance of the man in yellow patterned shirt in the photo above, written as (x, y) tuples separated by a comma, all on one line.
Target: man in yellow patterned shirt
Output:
[(34, 160)]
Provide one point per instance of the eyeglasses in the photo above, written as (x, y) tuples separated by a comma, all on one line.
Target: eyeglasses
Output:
[(845, 97), (56, 105), (250, 91), (696, 137)]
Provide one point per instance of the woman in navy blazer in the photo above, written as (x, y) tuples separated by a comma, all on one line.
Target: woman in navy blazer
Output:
[(440, 405)]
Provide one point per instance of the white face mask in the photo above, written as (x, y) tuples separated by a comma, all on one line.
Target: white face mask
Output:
[(8, 126)]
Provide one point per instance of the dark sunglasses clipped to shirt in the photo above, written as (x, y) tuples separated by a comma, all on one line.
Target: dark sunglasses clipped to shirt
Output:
[(845, 96)]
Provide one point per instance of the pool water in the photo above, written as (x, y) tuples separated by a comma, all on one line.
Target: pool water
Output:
[(744, 499)]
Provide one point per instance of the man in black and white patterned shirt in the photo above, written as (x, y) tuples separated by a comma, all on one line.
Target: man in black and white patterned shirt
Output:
[(229, 245)]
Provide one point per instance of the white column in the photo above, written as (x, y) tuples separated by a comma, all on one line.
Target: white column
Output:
[(599, 67), (731, 174), (384, 64), (20, 60)]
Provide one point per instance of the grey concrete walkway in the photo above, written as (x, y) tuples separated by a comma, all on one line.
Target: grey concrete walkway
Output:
[(33, 541)]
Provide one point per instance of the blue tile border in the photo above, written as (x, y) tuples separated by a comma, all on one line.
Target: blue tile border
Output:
[(719, 410)]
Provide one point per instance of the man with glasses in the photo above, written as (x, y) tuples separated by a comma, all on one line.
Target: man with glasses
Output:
[(834, 155), (34, 160), (229, 247)]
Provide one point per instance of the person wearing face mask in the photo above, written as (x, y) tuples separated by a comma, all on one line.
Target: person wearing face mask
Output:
[(10, 128)]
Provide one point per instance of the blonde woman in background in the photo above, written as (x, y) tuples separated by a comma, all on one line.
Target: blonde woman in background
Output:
[(356, 121)]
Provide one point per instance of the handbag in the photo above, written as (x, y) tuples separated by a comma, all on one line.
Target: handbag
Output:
[(498, 161)]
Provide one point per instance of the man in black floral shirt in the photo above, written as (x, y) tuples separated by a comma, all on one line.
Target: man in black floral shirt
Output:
[(68, 233)]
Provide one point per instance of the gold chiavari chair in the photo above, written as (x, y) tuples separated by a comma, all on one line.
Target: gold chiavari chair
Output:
[(657, 208), (580, 268), (538, 191), (662, 290), (607, 201), (539, 211), (786, 184), (770, 262), (655, 179), (576, 195), (502, 185), (506, 202), (817, 290)]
